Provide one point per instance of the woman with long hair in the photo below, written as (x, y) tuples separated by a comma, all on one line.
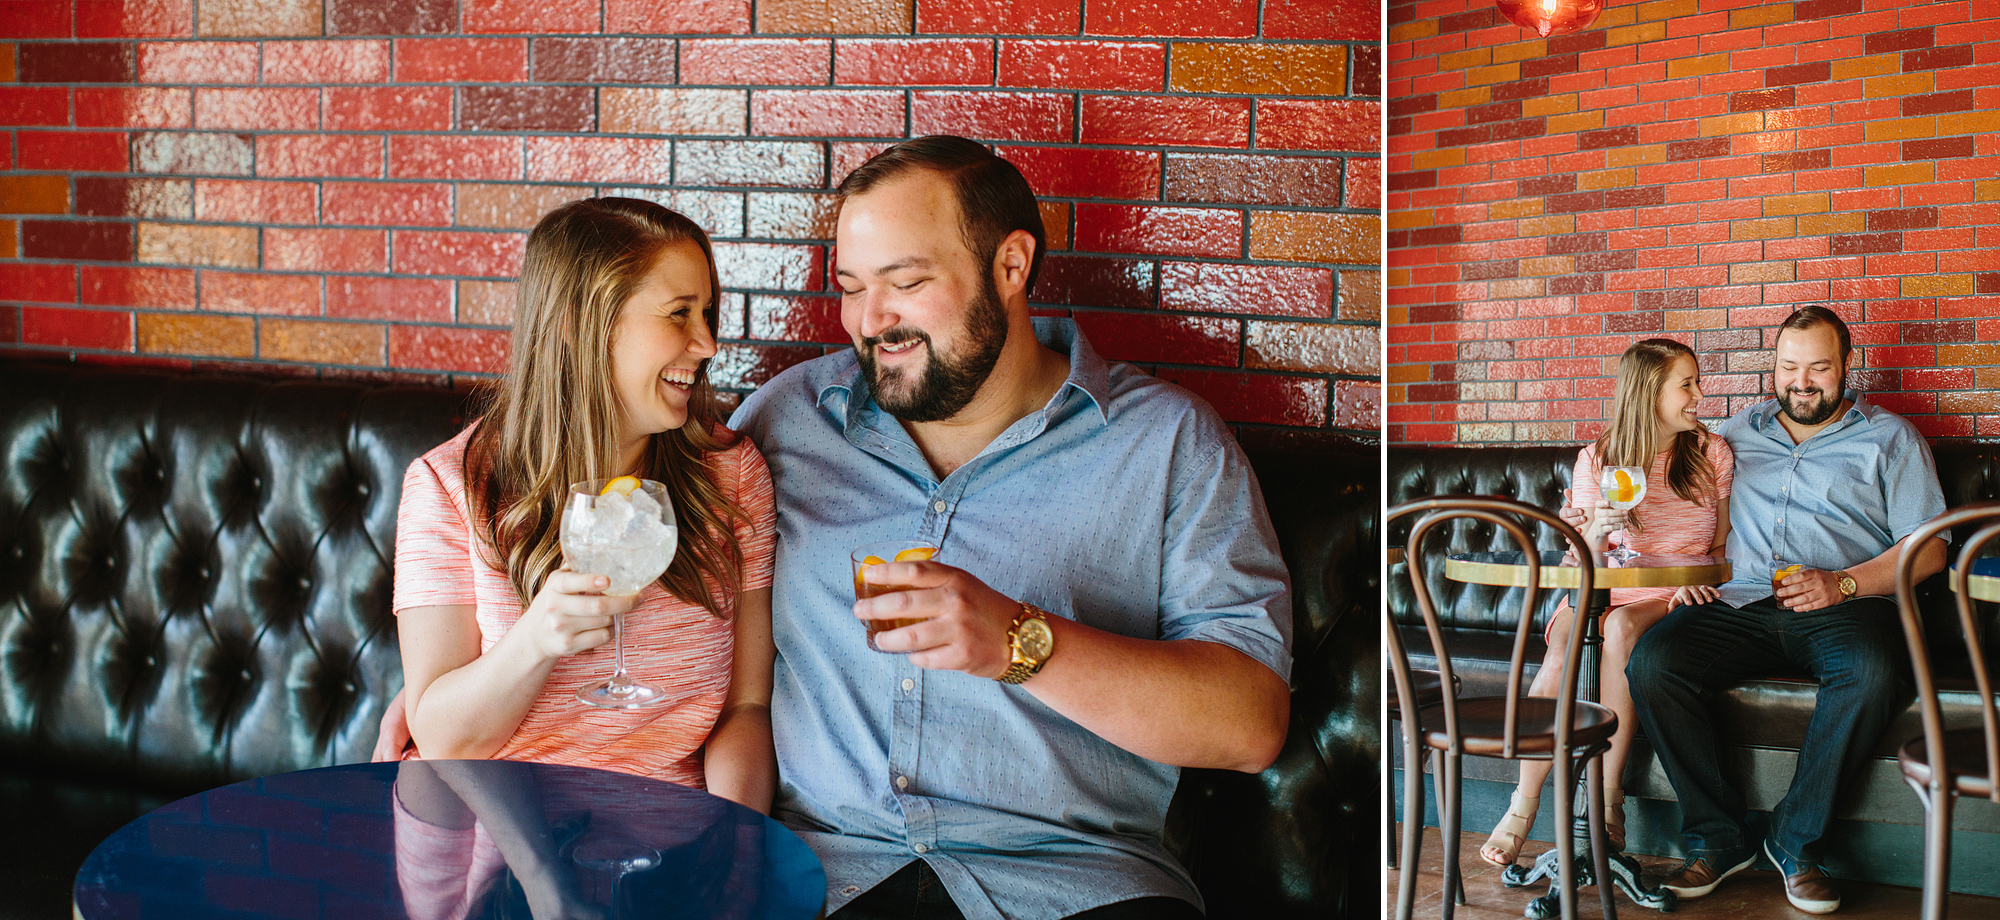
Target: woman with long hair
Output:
[(614, 326), (1685, 510)]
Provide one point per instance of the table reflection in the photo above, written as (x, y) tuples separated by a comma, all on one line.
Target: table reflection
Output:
[(452, 840)]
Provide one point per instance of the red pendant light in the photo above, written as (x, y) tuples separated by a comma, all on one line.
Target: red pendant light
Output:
[(1552, 17)]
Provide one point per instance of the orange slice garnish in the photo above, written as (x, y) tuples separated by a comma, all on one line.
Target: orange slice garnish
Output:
[(623, 485), (1625, 488), (917, 554), (1786, 572)]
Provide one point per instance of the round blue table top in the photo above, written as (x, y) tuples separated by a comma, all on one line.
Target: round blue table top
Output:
[(442, 840)]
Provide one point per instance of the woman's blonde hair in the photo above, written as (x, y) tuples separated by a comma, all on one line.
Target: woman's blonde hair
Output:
[(1633, 439), (554, 420)]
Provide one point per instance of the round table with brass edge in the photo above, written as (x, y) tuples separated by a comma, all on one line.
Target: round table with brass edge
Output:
[(1646, 570)]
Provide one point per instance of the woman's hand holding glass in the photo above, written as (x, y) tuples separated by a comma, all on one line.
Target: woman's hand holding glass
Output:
[(570, 615)]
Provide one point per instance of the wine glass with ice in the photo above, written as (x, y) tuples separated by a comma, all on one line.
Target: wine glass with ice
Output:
[(624, 530), (1624, 487)]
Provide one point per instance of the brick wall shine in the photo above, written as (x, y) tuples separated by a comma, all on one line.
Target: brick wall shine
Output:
[(343, 188), (1694, 169)]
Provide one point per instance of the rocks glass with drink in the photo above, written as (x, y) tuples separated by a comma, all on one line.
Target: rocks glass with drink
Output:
[(624, 530), (1624, 487), (883, 553)]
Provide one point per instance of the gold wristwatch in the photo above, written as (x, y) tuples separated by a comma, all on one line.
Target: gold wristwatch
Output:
[(1031, 643), (1847, 585)]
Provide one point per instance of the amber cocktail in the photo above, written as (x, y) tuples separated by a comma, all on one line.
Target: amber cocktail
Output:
[(883, 553)]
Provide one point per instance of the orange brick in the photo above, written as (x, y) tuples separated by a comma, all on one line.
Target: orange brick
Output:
[(1872, 66), (1958, 123), (34, 194), (1291, 236), (1969, 403), (1315, 347), (1645, 155), (1786, 205), (1399, 277), (1465, 98), (1434, 159), (1617, 16), (181, 244), (1581, 121), (1465, 60), (1606, 178), (672, 111), (1538, 106), (204, 334), (1898, 129), (1498, 73), (1761, 272), (1404, 220), (1902, 84), (1408, 373), (486, 303), (1898, 174), (1055, 223), (317, 342), (1937, 286), (1259, 69), (1514, 207), (1360, 296), (258, 18), (1520, 51), (1633, 35), (1986, 190), (1987, 378), (1702, 66), (1825, 224), (1738, 123), (840, 17), (1769, 228), (1548, 265), (1516, 288), (1967, 355), (7, 62), (513, 207), (1411, 31), (1552, 225), (1769, 14), (10, 237), (1677, 320)]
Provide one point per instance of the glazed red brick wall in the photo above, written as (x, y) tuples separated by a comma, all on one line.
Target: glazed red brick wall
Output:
[(344, 187), (1694, 169)]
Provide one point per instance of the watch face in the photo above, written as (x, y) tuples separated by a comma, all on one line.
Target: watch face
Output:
[(1036, 640)]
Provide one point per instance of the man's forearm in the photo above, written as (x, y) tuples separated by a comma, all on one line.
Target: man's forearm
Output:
[(1878, 575), (1187, 703)]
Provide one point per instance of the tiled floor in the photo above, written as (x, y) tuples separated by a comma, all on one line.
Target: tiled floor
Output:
[(1751, 894)]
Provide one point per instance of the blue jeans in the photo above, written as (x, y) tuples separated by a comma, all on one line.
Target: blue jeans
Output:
[(1855, 650)]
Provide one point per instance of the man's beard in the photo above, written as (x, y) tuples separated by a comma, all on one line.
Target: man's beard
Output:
[(946, 383), (1816, 412)]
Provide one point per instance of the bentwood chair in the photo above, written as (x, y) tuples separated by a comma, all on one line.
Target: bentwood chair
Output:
[(1945, 763), (1564, 730)]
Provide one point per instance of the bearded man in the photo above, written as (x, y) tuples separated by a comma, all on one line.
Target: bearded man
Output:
[(1829, 485), (1107, 604)]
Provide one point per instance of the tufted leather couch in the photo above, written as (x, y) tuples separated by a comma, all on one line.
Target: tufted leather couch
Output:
[(1763, 721), (195, 585)]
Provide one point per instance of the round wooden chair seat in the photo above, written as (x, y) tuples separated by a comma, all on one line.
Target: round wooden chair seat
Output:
[(1482, 722), (1964, 749)]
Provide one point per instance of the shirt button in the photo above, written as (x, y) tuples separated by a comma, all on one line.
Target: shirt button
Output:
[(909, 685), (937, 507), (921, 849), (902, 782)]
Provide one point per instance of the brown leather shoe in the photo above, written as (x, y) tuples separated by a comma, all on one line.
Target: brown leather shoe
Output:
[(1811, 890), (1699, 876)]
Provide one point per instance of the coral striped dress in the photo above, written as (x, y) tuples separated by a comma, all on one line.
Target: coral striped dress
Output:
[(669, 643), (1668, 522)]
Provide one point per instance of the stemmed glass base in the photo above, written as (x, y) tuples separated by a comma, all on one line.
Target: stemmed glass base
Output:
[(606, 695), (1623, 552)]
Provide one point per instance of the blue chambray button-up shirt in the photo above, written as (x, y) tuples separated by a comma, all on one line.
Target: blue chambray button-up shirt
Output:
[(1123, 504), (1838, 499)]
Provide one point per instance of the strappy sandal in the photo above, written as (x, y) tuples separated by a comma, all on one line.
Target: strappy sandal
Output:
[(1505, 842), (1614, 818)]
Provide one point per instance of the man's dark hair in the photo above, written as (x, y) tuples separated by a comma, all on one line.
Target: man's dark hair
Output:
[(993, 198), (1811, 315)]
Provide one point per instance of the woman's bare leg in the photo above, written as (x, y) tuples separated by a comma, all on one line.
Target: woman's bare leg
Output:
[(1505, 843)]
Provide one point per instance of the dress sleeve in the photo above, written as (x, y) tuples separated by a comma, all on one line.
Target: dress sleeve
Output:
[(433, 542), (759, 535), (1723, 458), (1583, 490)]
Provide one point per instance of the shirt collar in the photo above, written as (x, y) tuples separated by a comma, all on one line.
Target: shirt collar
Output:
[(846, 391), (1765, 418)]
